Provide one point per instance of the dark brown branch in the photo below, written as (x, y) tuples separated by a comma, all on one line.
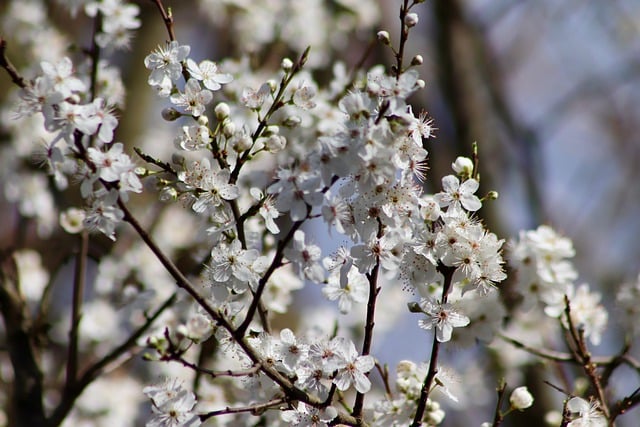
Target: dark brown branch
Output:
[(166, 18), (428, 381), (76, 310), (404, 36), (584, 357), (8, 66), (498, 417), (374, 290), (285, 383), (26, 406), (69, 397), (447, 273), (625, 404)]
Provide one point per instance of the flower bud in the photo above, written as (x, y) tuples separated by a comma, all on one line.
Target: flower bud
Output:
[(521, 398), (222, 111), (243, 144), (177, 159), (417, 60), (286, 64), (384, 38), (411, 19), (405, 366), (170, 114), (463, 166), (492, 195), (273, 85), (229, 129), (414, 307), (181, 332), (203, 120), (435, 417), (168, 194), (292, 121)]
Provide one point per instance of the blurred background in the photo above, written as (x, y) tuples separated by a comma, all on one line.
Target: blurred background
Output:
[(549, 90)]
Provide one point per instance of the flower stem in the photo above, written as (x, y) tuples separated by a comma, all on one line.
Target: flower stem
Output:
[(447, 272)]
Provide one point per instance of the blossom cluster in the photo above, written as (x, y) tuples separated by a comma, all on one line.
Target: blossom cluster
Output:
[(547, 277)]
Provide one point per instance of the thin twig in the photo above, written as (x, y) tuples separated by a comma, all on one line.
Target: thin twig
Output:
[(447, 273), (625, 404), (384, 374), (404, 36), (277, 262), (8, 66), (76, 309), (211, 373), (584, 356), (498, 417), (166, 18), (275, 106), (253, 408), (374, 290), (559, 356), (540, 352)]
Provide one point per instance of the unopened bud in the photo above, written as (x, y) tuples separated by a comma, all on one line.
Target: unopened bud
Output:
[(414, 307), (463, 166), (417, 60), (168, 194), (286, 64), (177, 159), (243, 144), (492, 195), (292, 121), (229, 129), (435, 417), (222, 111), (273, 85), (521, 398), (171, 114), (203, 120), (411, 19), (384, 38)]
